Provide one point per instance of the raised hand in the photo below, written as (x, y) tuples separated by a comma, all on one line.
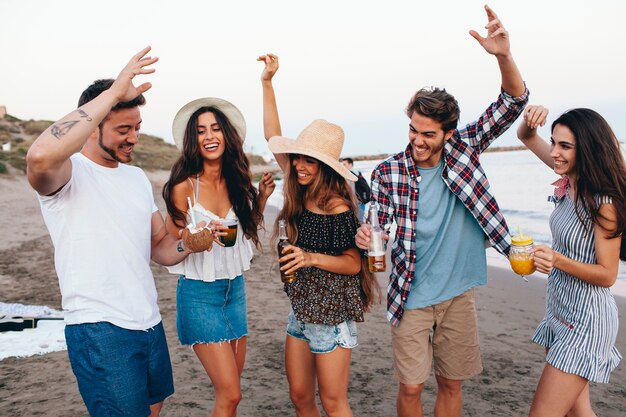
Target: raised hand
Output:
[(271, 66), (123, 88), (535, 116), (497, 40), (266, 185)]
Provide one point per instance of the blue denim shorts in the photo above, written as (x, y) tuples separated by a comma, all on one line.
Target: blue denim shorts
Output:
[(211, 312), (323, 338), (120, 372)]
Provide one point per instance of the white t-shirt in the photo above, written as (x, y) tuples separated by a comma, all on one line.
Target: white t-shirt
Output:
[(100, 224)]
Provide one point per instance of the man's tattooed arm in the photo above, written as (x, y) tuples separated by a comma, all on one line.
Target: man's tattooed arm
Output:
[(84, 115), (61, 129)]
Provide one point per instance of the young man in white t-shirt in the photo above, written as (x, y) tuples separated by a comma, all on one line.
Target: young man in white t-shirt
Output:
[(105, 228)]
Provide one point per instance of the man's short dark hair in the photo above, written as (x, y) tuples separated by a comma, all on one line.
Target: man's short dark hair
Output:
[(349, 160), (437, 104), (98, 86)]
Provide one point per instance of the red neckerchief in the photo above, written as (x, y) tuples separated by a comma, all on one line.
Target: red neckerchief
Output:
[(561, 187)]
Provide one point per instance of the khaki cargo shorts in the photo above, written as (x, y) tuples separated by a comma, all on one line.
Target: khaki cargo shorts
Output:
[(445, 334)]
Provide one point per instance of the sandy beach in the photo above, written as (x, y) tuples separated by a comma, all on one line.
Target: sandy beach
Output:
[(509, 310)]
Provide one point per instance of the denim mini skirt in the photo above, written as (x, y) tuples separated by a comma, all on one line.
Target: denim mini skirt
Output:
[(211, 312)]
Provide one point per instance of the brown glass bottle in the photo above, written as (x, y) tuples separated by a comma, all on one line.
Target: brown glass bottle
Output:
[(283, 241)]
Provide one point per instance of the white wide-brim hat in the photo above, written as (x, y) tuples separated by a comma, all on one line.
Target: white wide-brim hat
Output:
[(321, 140), (182, 117)]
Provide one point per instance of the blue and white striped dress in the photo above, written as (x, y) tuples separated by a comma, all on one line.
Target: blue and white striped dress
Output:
[(581, 321)]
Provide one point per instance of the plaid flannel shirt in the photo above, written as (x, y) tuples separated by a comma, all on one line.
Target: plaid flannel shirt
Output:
[(395, 187)]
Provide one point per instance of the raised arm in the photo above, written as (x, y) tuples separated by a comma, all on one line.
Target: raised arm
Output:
[(534, 117), (497, 43), (271, 122), (48, 164)]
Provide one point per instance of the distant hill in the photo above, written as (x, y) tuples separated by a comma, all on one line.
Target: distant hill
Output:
[(152, 153)]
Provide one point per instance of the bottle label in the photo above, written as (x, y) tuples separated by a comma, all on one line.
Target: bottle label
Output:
[(377, 244)]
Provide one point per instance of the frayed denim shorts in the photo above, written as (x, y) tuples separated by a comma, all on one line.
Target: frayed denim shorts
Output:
[(323, 338), (211, 312)]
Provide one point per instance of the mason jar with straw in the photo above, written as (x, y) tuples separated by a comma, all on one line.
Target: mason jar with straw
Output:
[(520, 256)]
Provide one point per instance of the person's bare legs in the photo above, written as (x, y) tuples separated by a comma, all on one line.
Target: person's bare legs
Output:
[(223, 363), (582, 406), (333, 375), (409, 401), (155, 409), (300, 368), (449, 397), (559, 394)]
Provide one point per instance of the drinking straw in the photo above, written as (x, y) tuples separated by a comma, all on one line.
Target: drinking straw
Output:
[(519, 229), (193, 217)]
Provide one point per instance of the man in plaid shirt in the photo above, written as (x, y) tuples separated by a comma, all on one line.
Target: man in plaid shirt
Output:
[(438, 195)]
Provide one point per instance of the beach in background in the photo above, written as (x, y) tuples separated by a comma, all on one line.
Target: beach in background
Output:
[(509, 309), (521, 185)]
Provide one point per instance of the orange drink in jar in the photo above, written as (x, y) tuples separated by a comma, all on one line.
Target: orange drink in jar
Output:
[(520, 256)]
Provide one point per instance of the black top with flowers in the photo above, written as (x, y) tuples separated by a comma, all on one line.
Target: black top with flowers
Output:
[(318, 296)]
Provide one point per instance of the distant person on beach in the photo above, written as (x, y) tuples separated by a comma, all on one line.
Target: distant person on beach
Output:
[(213, 175), (437, 193), (105, 228), (581, 322), (361, 188), (332, 288)]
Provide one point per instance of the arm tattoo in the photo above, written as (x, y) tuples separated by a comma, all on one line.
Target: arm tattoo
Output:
[(61, 129), (84, 115)]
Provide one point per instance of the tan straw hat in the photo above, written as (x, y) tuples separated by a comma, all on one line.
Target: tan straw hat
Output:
[(182, 117), (321, 140)]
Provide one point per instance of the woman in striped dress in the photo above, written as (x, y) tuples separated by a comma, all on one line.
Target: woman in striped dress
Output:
[(581, 321)]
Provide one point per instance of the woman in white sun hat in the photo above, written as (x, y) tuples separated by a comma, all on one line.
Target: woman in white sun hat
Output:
[(213, 176), (333, 288)]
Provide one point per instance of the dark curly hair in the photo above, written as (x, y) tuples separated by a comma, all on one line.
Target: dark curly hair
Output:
[(435, 103)]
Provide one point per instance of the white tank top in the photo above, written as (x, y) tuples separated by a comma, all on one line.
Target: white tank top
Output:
[(220, 262)]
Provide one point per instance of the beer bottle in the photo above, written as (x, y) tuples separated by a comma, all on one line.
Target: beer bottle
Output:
[(283, 241), (376, 251)]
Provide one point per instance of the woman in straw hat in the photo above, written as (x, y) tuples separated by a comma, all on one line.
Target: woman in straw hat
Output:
[(332, 288), (212, 179)]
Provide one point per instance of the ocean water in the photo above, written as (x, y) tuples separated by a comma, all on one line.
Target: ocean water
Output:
[(521, 184)]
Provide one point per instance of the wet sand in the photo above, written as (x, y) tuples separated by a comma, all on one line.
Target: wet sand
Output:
[(508, 308)]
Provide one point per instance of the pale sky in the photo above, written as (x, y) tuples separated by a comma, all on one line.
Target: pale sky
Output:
[(352, 62)]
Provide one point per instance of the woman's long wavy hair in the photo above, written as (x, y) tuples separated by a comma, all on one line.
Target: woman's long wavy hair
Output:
[(235, 170), (324, 190), (600, 168)]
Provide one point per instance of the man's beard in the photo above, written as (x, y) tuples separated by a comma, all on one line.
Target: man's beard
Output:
[(110, 151)]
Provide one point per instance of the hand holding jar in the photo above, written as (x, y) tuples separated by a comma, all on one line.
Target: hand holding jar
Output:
[(544, 257)]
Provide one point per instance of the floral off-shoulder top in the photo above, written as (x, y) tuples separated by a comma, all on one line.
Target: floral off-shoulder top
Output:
[(318, 296)]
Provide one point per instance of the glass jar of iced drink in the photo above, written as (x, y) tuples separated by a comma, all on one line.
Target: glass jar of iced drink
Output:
[(520, 257)]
